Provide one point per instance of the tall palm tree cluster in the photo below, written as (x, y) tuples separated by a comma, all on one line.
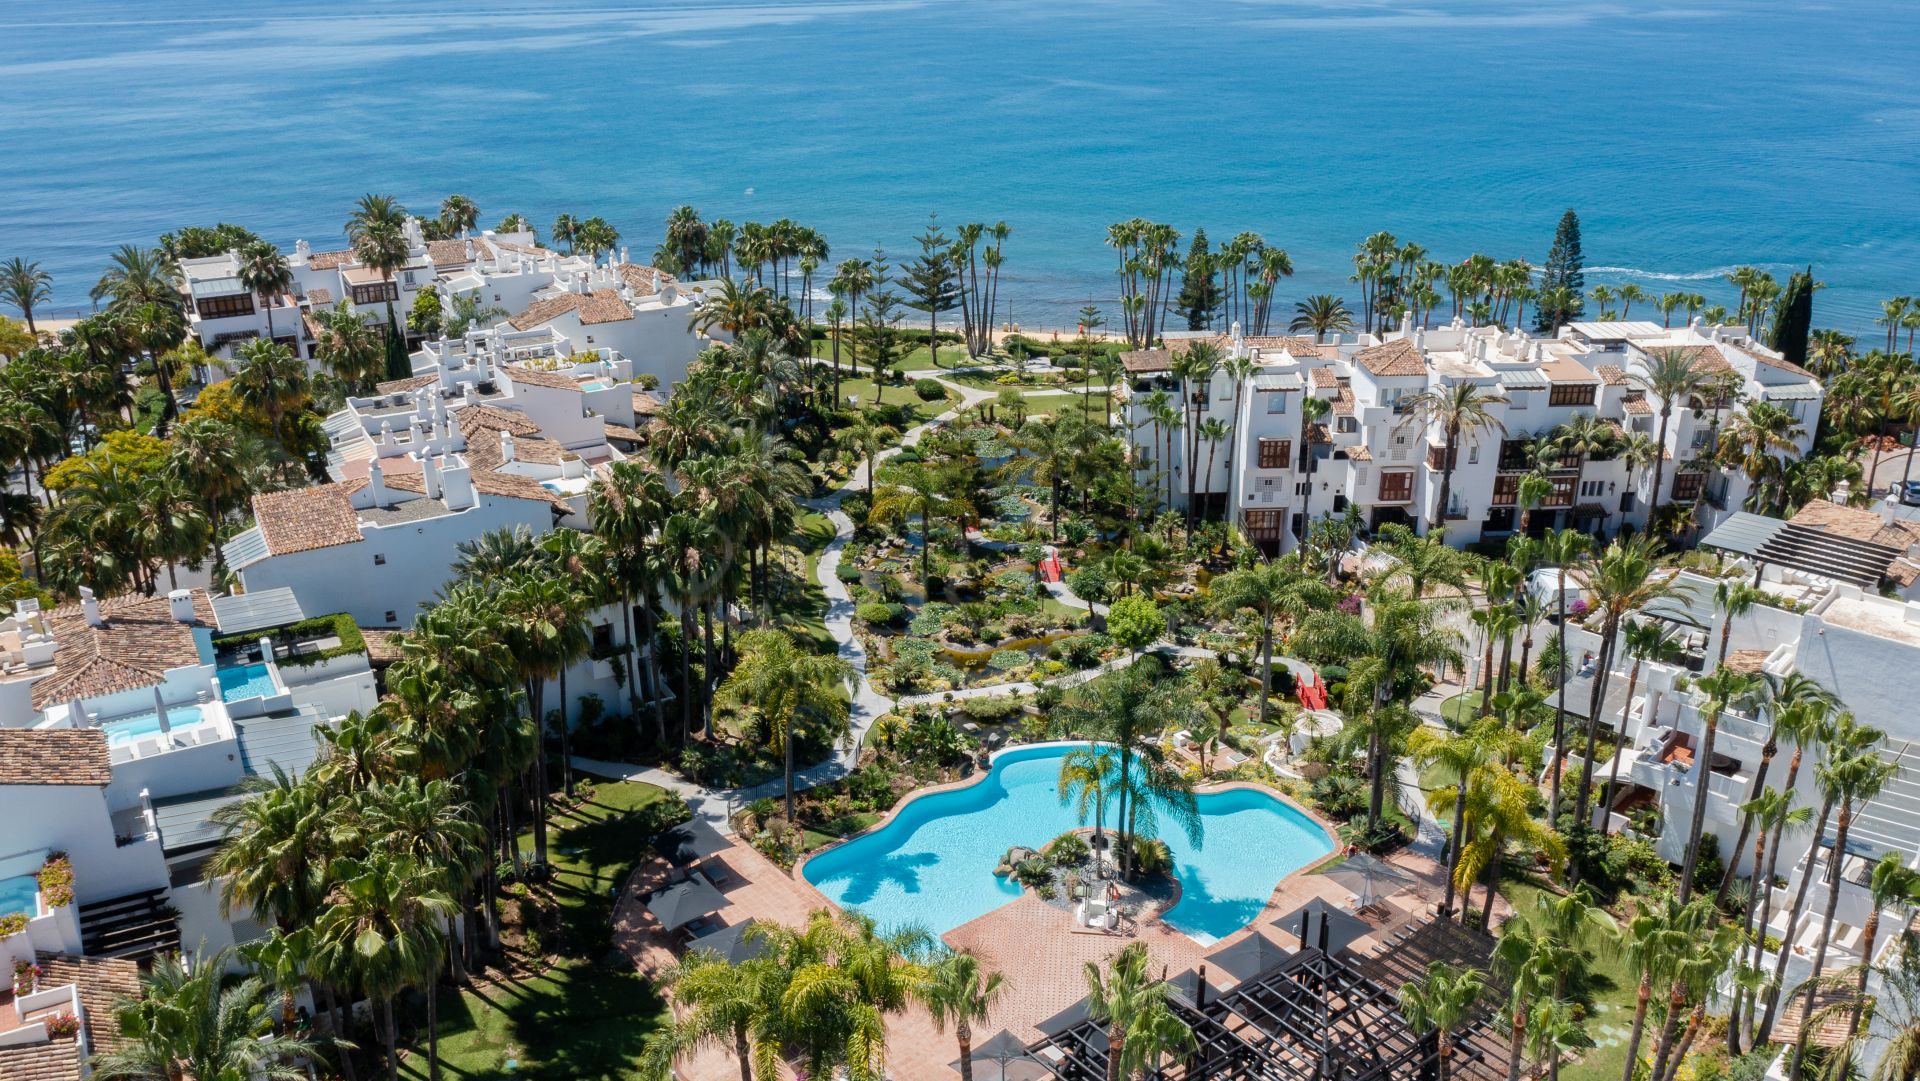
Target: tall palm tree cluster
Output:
[(1248, 272), (1397, 279)]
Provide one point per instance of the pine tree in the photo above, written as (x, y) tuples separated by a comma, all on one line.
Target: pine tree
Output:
[(1199, 287), (1793, 318), (932, 284), (1563, 270)]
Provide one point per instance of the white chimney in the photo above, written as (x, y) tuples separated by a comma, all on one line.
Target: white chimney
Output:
[(180, 605), (376, 486), (1406, 324), (415, 436), (466, 393), (623, 255), (456, 483), (90, 607), (1887, 513), (430, 475), (506, 446), (1420, 337)]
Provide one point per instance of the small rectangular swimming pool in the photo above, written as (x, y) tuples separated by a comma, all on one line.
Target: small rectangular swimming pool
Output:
[(17, 894), (246, 681), (142, 725), (595, 385)]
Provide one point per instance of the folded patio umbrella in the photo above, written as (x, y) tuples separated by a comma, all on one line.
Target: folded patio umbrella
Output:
[(690, 842), (1002, 1057), (733, 944), (1370, 878), (677, 906), (1316, 918), (1248, 957)]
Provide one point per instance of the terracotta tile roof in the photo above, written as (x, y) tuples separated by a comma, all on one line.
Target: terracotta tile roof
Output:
[(1396, 358), (1747, 660), (1146, 361), (648, 404), (1324, 377), (644, 281), (406, 386), (486, 482), (525, 249), (599, 306), (520, 373), (1857, 524), (453, 252), (1567, 370), (483, 450), (621, 431), (1638, 407), (54, 756), (1359, 453), (330, 260), (1343, 403), (1903, 572), (1318, 432), (55, 1060), (476, 418), (1611, 375), (303, 519), (137, 642), (1707, 359), (320, 298), (103, 982)]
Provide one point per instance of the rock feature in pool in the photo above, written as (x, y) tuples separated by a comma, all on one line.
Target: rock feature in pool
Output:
[(932, 864)]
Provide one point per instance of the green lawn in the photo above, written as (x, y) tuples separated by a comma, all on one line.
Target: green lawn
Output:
[(828, 832), (1461, 708), (1608, 993), (863, 390), (587, 1016), (800, 608), (919, 360)]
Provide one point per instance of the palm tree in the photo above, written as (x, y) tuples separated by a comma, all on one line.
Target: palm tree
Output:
[(187, 1022), (1722, 688), (1696, 980), (723, 1004), (1892, 314), (1528, 960), (275, 855), (1129, 1002), (458, 214), (26, 287), (916, 491), (1894, 1037), (155, 328), (542, 613), (1459, 755), (1891, 884), (1670, 376), (346, 345), (955, 989), (1773, 809), (266, 274), (1848, 782), (1313, 410), (1655, 943), (1648, 640), (836, 980), (1460, 411), (790, 687), (377, 231), (270, 380), (1272, 590), (384, 925), (1127, 711), (1439, 1003), (1497, 810), (1089, 778)]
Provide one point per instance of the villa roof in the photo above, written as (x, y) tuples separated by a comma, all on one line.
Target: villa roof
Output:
[(1324, 377), (1395, 359), (453, 251), (1567, 370), (520, 374), (486, 482), (1343, 402), (320, 298), (1857, 524), (70, 756), (1611, 375), (1707, 359), (102, 982), (621, 431), (1747, 660), (599, 306), (475, 418), (483, 449), (1359, 453), (383, 644), (1146, 361), (647, 404), (1638, 407), (644, 281), (330, 260), (407, 385), (137, 642), (303, 519)]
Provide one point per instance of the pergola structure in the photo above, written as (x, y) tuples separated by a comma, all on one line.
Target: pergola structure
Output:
[(1315, 1016)]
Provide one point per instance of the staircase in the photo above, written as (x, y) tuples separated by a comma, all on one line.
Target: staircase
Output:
[(1855, 562), (135, 925)]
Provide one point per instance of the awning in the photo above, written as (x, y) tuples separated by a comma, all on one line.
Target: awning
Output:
[(1792, 392), (1743, 533), (1589, 510), (1522, 378), (256, 610), (1276, 381)]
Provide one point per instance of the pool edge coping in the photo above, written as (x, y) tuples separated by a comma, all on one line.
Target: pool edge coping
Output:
[(993, 759)]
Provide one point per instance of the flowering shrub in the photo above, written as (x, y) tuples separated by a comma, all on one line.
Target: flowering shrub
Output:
[(56, 881), (62, 1025), (12, 924), (1579, 609), (26, 975), (1350, 604)]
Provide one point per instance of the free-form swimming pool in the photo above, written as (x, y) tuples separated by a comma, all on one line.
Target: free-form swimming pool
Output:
[(244, 681), (932, 865), (17, 895), (142, 725)]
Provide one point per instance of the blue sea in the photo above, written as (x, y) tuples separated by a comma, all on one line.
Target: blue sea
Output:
[(1691, 135)]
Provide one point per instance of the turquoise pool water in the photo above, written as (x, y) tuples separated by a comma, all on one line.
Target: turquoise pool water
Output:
[(595, 385), (245, 681), (142, 725), (17, 895), (933, 864)]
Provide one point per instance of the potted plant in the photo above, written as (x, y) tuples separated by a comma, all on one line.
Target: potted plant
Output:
[(26, 978)]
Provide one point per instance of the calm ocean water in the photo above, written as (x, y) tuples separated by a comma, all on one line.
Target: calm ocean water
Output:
[(1691, 135)]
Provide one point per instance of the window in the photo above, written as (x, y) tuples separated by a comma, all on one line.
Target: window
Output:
[(1437, 458), (1592, 489), (1275, 453), (1396, 486), (1276, 402), (1516, 454), (377, 293), (379, 560), (1518, 400), (225, 307), (1571, 394), (1686, 486), (1562, 493), (392, 616), (603, 640), (1473, 454), (1303, 488), (1506, 490), (1264, 525), (1201, 394), (1346, 425)]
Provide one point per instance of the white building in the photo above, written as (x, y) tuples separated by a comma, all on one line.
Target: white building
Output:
[(1370, 454)]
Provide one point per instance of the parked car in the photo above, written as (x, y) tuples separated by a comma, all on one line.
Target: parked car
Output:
[(1910, 493)]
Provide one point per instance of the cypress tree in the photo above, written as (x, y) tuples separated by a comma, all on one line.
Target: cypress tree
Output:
[(399, 366), (1199, 287), (1564, 269), (1793, 318)]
